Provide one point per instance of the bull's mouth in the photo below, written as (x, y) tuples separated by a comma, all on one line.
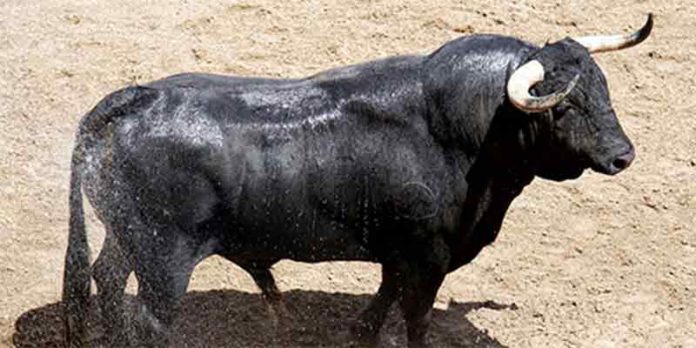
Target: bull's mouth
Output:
[(567, 173)]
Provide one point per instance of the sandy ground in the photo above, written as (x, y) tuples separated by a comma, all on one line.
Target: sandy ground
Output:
[(597, 262)]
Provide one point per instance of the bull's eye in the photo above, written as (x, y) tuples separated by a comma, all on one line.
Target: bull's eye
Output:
[(561, 110)]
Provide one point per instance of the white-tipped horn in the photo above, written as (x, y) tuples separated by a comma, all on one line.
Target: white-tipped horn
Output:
[(527, 76), (605, 43)]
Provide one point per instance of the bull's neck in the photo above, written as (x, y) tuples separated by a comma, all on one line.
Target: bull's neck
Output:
[(464, 84), (498, 173)]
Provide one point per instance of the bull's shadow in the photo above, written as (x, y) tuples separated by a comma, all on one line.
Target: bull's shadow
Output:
[(228, 318)]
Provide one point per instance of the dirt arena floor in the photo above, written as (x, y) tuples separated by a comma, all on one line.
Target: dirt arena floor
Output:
[(597, 262)]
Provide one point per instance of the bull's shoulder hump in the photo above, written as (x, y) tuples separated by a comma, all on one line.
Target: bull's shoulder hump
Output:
[(482, 43)]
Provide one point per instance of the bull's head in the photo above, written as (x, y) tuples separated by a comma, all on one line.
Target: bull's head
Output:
[(570, 87)]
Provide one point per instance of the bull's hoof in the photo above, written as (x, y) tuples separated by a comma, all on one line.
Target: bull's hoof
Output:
[(363, 335)]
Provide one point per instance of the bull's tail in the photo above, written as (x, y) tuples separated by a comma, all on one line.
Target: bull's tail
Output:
[(76, 276), (77, 273)]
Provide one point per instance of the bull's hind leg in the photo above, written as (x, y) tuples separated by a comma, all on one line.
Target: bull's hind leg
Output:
[(163, 267), (261, 273), (264, 280), (111, 270)]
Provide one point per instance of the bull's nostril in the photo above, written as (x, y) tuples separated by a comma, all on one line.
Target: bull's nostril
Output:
[(620, 163), (623, 161)]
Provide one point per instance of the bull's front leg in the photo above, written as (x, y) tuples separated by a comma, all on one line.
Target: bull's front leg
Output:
[(421, 275), (418, 292), (415, 284), (365, 331)]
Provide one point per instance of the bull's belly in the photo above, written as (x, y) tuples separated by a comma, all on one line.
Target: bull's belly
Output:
[(296, 244), (311, 239)]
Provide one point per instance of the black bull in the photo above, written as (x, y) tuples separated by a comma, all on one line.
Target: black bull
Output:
[(409, 161)]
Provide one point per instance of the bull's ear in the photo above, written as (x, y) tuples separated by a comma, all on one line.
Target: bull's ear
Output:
[(606, 43), (527, 76)]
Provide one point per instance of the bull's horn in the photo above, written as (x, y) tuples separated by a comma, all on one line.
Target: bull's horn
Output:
[(527, 76), (604, 43)]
